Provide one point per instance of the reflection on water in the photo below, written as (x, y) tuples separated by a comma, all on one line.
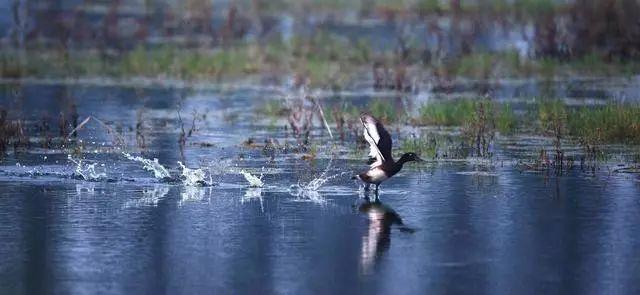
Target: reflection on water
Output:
[(85, 189), (253, 193), (194, 194), (483, 229), (377, 238), (150, 196)]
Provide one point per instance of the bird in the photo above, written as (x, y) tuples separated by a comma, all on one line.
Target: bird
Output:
[(382, 166)]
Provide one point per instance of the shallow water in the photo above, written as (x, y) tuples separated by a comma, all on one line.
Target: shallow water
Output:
[(440, 227)]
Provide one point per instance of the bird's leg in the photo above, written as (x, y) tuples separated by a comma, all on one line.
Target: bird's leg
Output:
[(376, 196), (366, 187), (377, 186)]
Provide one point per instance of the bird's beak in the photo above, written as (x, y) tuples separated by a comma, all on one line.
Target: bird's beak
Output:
[(418, 159)]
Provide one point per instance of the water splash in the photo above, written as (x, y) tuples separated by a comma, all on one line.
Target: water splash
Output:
[(194, 194), (87, 171), (159, 171), (151, 196), (253, 193), (88, 189), (253, 180), (195, 177), (310, 191)]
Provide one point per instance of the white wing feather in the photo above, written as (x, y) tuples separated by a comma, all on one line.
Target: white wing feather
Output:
[(372, 137)]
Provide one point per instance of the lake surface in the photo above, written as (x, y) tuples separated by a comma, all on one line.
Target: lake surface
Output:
[(95, 221)]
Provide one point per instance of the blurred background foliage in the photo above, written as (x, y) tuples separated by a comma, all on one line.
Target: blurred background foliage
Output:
[(320, 41)]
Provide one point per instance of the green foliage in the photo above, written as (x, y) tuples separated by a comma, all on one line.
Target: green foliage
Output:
[(385, 110), (424, 146), (430, 6), (274, 108), (506, 121), (613, 123), (449, 113), (552, 116)]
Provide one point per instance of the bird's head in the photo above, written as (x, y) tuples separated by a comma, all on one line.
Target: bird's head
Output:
[(409, 157)]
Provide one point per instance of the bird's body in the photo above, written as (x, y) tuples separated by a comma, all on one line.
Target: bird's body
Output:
[(383, 166)]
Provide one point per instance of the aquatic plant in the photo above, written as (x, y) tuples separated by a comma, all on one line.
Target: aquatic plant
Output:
[(184, 133), (506, 121), (425, 146), (612, 123), (553, 121), (12, 133), (479, 129), (386, 110), (447, 113), (274, 108)]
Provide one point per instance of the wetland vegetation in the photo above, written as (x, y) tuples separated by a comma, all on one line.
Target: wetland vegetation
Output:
[(220, 137)]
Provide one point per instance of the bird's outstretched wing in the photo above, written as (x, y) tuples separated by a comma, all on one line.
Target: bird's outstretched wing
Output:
[(378, 138)]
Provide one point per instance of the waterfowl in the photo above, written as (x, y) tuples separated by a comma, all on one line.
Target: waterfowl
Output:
[(382, 165)]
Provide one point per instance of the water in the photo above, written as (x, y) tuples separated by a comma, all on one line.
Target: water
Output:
[(111, 219)]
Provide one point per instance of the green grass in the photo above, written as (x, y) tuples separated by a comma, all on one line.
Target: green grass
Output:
[(386, 110), (552, 116), (613, 123), (325, 58), (506, 121), (424, 146), (273, 108), (449, 113)]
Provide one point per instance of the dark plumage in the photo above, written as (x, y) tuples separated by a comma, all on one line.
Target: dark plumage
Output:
[(383, 166)]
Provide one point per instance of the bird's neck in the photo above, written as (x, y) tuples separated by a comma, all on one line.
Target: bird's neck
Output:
[(397, 166)]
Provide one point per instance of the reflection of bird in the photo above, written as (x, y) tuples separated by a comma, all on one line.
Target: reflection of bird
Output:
[(383, 165), (377, 238)]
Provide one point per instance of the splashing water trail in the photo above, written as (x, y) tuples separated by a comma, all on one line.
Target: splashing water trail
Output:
[(310, 191), (195, 177), (253, 180), (151, 196), (254, 193), (194, 194), (87, 171), (158, 170)]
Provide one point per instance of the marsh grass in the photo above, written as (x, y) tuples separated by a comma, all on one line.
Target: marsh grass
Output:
[(435, 146), (274, 108), (387, 110), (553, 118), (447, 113), (613, 123), (426, 147), (506, 120)]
